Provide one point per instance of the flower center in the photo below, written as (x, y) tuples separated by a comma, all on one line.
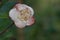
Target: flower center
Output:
[(24, 14)]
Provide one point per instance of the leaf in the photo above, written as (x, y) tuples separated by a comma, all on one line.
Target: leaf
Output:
[(4, 23), (3, 2), (4, 10)]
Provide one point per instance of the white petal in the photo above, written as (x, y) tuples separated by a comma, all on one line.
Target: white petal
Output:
[(20, 6), (14, 14), (20, 24)]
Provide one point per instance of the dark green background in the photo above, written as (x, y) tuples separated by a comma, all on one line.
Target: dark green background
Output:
[(47, 24)]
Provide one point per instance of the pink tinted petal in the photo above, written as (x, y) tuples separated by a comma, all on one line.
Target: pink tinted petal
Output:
[(16, 6), (19, 7), (20, 24), (23, 6), (30, 21)]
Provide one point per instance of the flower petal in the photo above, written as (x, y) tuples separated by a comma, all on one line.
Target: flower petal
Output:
[(13, 14), (30, 21), (23, 6), (20, 24)]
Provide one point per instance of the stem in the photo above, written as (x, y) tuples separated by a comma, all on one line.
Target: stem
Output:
[(20, 34), (20, 1)]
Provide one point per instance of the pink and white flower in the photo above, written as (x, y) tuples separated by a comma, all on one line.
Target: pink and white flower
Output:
[(22, 15)]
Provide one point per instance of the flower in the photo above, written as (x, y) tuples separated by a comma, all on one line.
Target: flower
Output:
[(22, 15)]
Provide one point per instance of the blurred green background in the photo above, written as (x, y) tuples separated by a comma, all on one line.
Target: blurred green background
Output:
[(47, 16)]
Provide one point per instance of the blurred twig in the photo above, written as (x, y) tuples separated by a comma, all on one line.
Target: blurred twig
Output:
[(6, 29)]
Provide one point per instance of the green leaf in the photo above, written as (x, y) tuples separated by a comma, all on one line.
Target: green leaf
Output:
[(4, 23), (4, 10), (3, 2)]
